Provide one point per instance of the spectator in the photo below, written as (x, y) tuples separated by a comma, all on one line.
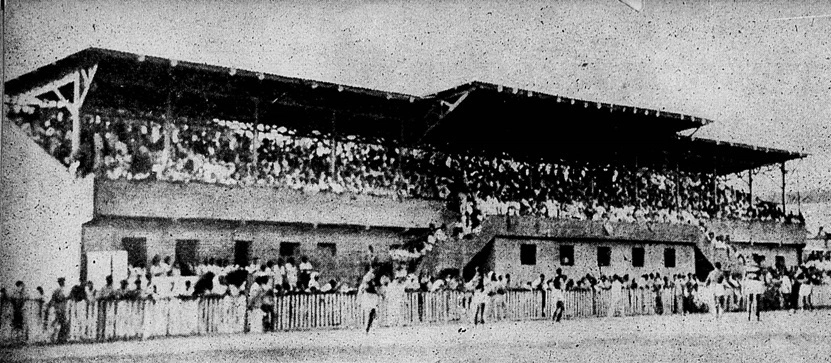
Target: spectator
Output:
[(18, 300), (304, 274), (108, 291), (291, 274), (58, 302), (77, 293)]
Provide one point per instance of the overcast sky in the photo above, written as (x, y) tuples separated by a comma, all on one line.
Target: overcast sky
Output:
[(761, 69)]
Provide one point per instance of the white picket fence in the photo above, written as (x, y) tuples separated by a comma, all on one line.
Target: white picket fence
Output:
[(146, 319)]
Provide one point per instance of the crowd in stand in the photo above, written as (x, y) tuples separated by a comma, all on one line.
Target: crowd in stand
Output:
[(122, 145)]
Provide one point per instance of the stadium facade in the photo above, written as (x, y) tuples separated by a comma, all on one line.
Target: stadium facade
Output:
[(52, 217)]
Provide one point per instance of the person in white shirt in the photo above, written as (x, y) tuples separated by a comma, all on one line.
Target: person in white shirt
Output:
[(314, 284), (165, 265), (305, 270), (615, 292), (291, 274), (785, 287), (254, 266), (330, 286)]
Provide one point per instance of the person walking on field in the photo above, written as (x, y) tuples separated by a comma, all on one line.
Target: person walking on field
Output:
[(369, 297), (753, 286), (715, 282)]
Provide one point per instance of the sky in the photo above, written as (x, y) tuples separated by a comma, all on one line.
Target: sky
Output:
[(760, 69)]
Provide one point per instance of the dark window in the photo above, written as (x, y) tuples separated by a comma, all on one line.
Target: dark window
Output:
[(567, 255), (186, 251), (637, 256), (242, 252), (604, 256), (528, 254), (136, 248), (288, 248), (328, 248), (669, 257), (780, 262)]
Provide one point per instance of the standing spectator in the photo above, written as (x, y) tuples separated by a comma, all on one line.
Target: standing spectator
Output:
[(156, 268), (77, 292), (254, 266), (480, 301), (166, 266), (108, 291), (18, 299), (615, 292), (805, 291), (785, 287), (291, 274), (89, 292), (58, 302), (370, 259), (305, 270)]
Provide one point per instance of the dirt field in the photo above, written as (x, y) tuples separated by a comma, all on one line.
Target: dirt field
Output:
[(802, 337)]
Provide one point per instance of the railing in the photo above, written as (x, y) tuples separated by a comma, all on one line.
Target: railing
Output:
[(144, 319)]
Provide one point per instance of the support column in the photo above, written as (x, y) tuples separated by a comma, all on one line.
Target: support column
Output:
[(168, 117), (74, 112), (750, 183), (333, 165), (715, 188), (255, 142), (637, 183), (677, 187), (783, 187)]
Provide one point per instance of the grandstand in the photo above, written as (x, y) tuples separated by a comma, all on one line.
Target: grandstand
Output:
[(113, 151)]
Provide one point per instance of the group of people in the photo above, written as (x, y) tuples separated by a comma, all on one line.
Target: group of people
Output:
[(123, 145)]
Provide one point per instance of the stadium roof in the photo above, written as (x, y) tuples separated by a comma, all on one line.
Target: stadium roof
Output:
[(476, 115)]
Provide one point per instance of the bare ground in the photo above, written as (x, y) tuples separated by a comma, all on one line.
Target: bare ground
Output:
[(802, 337)]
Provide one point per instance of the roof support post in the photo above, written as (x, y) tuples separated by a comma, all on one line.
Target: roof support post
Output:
[(715, 189), (168, 117), (637, 183), (677, 187), (74, 111), (333, 163), (255, 143), (750, 184), (782, 166)]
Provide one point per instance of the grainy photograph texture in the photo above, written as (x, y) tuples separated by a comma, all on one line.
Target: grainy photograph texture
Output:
[(415, 181)]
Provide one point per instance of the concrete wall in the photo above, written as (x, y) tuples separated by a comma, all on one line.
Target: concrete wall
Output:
[(770, 251), (259, 203), (42, 209), (506, 258), (759, 231), (216, 239)]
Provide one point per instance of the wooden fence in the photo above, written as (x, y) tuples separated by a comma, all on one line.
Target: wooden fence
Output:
[(145, 319)]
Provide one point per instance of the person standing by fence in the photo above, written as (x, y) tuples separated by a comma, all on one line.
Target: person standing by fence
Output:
[(615, 294), (58, 303), (18, 299), (785, 287), (805, 291), (480, 298), (498, 301)]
